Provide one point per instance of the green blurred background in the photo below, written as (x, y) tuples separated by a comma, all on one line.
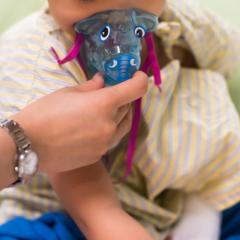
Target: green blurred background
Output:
[(13, 10)]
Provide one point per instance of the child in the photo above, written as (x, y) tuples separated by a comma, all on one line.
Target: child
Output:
[(187, 159)]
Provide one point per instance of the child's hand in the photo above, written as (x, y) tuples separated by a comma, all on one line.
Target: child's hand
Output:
[(79, 124)]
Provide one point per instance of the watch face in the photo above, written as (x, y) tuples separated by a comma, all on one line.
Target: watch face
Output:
[(28, 163)]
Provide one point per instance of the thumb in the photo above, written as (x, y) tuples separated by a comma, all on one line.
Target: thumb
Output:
[(128, 91), (95, 83)]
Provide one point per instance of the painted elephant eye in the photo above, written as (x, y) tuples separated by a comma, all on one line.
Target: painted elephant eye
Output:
[(113, 64), (133, 62), (139, 32), (105, 32)]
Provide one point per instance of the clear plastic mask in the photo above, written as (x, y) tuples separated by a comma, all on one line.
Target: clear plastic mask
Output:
[(112, 42)]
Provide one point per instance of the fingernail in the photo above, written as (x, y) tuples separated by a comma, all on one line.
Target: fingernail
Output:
[(99, 74)]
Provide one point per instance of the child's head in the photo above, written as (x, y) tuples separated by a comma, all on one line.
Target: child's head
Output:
[(68, 12)]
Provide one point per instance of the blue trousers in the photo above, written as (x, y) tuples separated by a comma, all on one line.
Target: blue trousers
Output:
[(59, 226), (50, 226), (231, 224)]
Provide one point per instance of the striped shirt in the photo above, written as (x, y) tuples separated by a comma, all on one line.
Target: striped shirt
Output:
[(189, 138)]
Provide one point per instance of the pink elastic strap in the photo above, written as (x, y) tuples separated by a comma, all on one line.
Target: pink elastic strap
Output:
[(73, 53), (133, 137), (150, 62)]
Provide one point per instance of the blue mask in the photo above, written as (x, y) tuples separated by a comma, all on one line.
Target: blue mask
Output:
[(112, 42)]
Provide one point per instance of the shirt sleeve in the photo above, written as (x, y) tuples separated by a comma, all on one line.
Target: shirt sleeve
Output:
[(214, 42), (28, 70), (215, 173), (222, 188)]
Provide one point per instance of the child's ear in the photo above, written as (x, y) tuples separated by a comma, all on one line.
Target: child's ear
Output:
[(147, 20)]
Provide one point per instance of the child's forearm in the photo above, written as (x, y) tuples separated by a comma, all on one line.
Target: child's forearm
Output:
[(7, 159), (117, 225), (85, 191), (89, 196)]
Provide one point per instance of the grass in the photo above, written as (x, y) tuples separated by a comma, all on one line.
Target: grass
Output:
[(13, 10), (234, 87), (228, 9)]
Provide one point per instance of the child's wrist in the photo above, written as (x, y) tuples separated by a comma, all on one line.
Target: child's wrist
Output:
[(117, 225), (93, 224), (90, 220)]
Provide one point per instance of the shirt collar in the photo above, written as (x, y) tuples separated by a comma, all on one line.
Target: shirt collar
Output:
[(48, 21)]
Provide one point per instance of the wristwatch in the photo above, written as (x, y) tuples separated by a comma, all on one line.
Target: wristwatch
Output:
[(26, 164)]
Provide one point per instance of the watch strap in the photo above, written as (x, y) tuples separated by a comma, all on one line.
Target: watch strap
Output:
[(17, 133)]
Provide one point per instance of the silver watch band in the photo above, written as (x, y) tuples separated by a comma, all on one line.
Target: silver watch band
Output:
[(27, 160), (17, 133)]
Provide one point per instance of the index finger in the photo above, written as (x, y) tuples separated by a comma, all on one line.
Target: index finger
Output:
[(128, 91)]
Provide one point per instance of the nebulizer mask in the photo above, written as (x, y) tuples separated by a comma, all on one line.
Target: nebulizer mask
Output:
[(110, 42)]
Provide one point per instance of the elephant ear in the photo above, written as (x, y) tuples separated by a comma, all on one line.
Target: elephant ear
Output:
[(145, 19), (90, 25)]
